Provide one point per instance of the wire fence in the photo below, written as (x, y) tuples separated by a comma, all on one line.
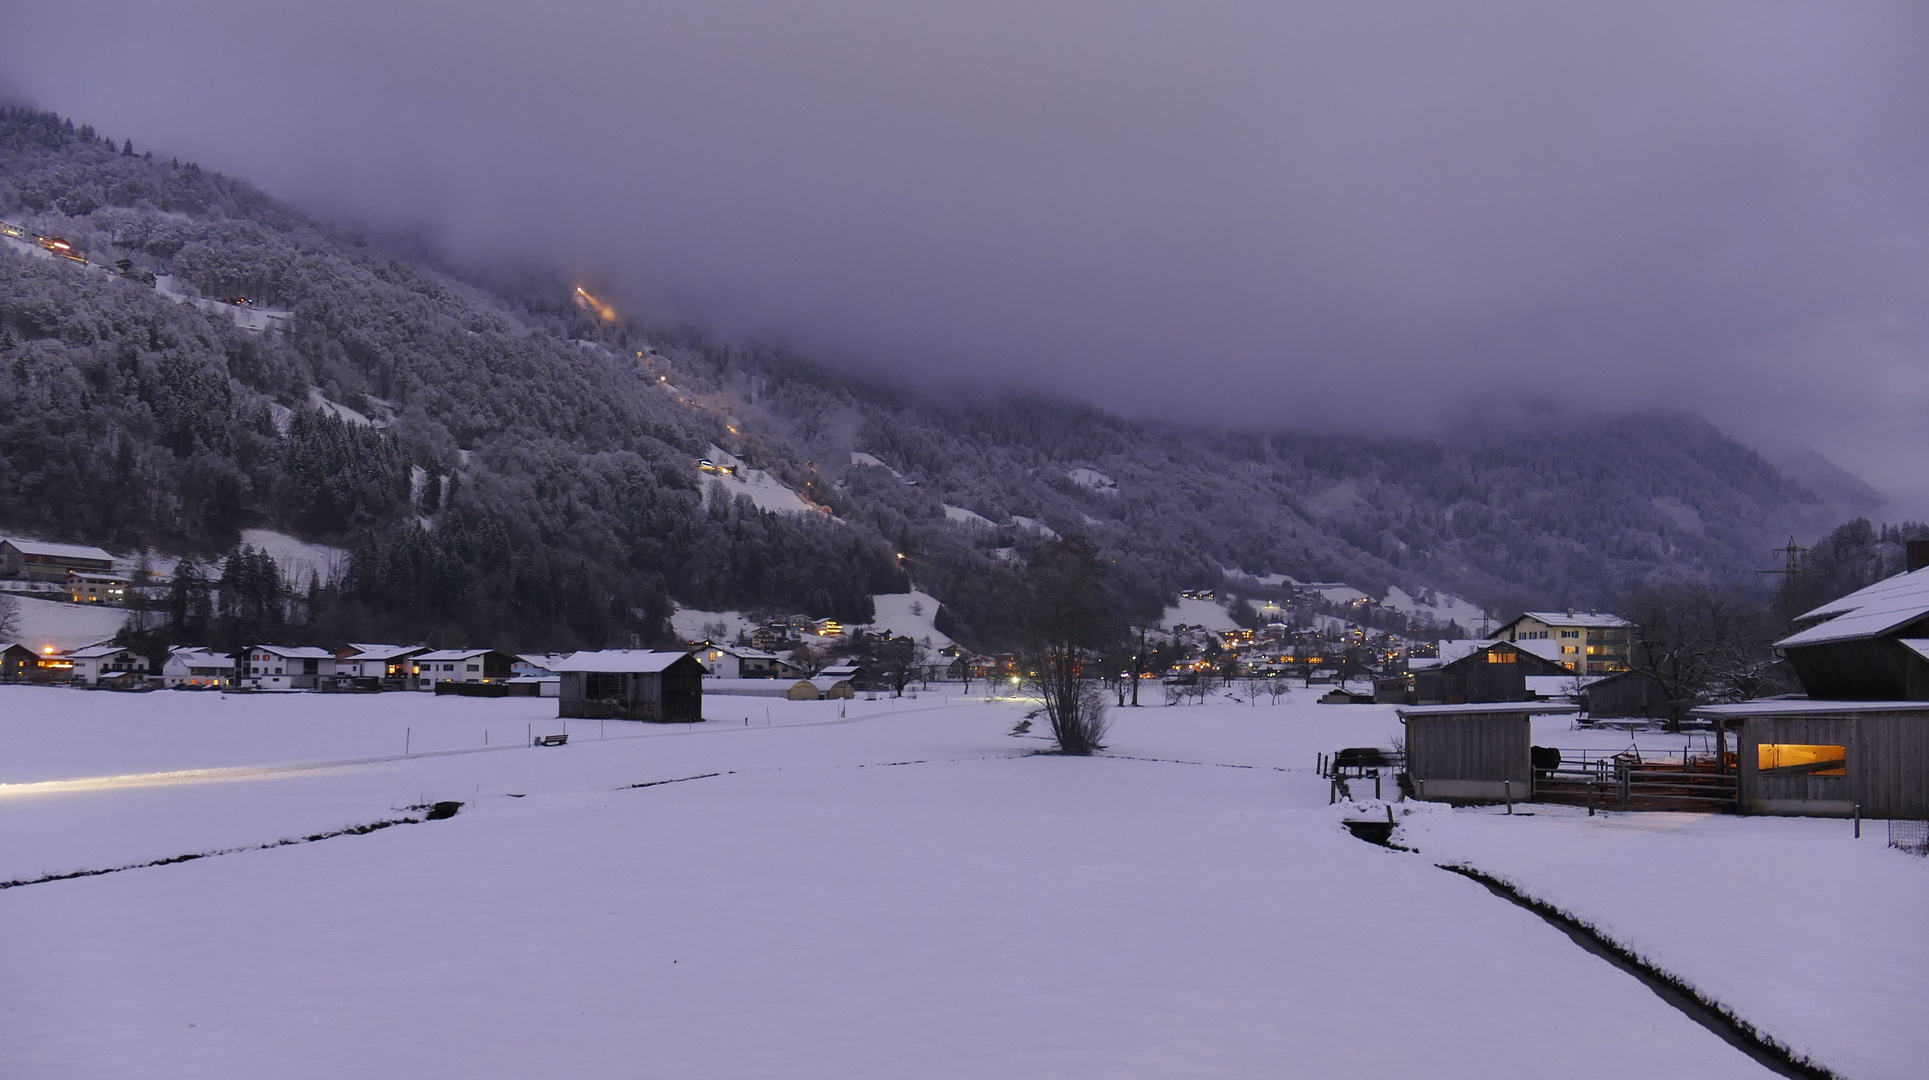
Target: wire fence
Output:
[(1910, 836)]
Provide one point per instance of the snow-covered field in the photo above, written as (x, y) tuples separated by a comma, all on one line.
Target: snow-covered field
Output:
[(909, 615), (1189, 612), (884, 888)]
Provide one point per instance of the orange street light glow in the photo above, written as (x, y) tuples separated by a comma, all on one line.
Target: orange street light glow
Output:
[(589, 303)]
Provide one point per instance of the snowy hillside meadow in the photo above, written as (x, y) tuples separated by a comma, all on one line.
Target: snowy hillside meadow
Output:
[(889, 888)]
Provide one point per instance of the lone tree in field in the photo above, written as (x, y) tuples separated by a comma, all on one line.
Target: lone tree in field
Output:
[(1703, 643), (1068, 620)]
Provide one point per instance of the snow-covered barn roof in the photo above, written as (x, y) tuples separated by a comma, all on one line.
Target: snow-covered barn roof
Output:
[(619, 661), (1877, 609), (57, 551)]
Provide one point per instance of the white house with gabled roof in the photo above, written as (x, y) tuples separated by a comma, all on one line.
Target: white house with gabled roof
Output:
[(463, 666), (737, 662), (94, 662), (191, 666), (285, 667), (367, 660)]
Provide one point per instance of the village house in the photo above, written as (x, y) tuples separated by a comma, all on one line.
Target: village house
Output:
[(97, 662), (463, 666), (285, 667), (191, 666), (1587, 642), (857, 675), (97, 589), (367, 660), (18, 663), (33, 560), (631, 684), (536, 665), (736, 662), (770, 636)]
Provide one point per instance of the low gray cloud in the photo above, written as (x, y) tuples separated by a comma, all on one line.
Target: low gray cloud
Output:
[(1270, 213)]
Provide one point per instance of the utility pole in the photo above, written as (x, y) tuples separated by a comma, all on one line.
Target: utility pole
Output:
[(1790, 572)]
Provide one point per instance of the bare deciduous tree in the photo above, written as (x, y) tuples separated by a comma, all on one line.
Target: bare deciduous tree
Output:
[(9, 617), (1068, 621), (1701, 644)]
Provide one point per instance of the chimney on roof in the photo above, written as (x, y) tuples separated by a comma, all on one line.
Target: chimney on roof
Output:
[(1918, 554)]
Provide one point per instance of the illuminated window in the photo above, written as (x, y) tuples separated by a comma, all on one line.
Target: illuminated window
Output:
[(1500, 658), (1801, 759), (1570, 648)]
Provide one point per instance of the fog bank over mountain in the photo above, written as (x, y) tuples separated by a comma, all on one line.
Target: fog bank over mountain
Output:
[(1315, 215)]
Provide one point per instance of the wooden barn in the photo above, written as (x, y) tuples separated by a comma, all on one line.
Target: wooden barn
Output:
[(1468, 672), (1829, 758), (1477, 753), (630, 684), (1626, 695), (1871, 645)]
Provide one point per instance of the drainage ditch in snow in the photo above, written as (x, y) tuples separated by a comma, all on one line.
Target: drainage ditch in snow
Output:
[(439, 811)]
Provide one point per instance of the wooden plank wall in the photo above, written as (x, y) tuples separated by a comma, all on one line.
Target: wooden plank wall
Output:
[(1477, 746), (1887, 768)]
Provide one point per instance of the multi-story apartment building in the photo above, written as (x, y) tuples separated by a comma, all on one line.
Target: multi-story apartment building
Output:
[(1589, 642)]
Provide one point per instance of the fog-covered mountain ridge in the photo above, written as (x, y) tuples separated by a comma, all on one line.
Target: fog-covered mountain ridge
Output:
[(511, 462)]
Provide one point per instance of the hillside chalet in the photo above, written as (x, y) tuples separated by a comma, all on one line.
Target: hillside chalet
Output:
[(736, 662), (33, 560)]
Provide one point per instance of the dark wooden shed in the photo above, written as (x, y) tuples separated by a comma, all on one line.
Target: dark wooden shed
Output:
[(630, 684), (1626, 694), (1478, 753), (1829, 758)]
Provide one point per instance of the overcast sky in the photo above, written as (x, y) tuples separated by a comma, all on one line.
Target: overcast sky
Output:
[(1270, 213)]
